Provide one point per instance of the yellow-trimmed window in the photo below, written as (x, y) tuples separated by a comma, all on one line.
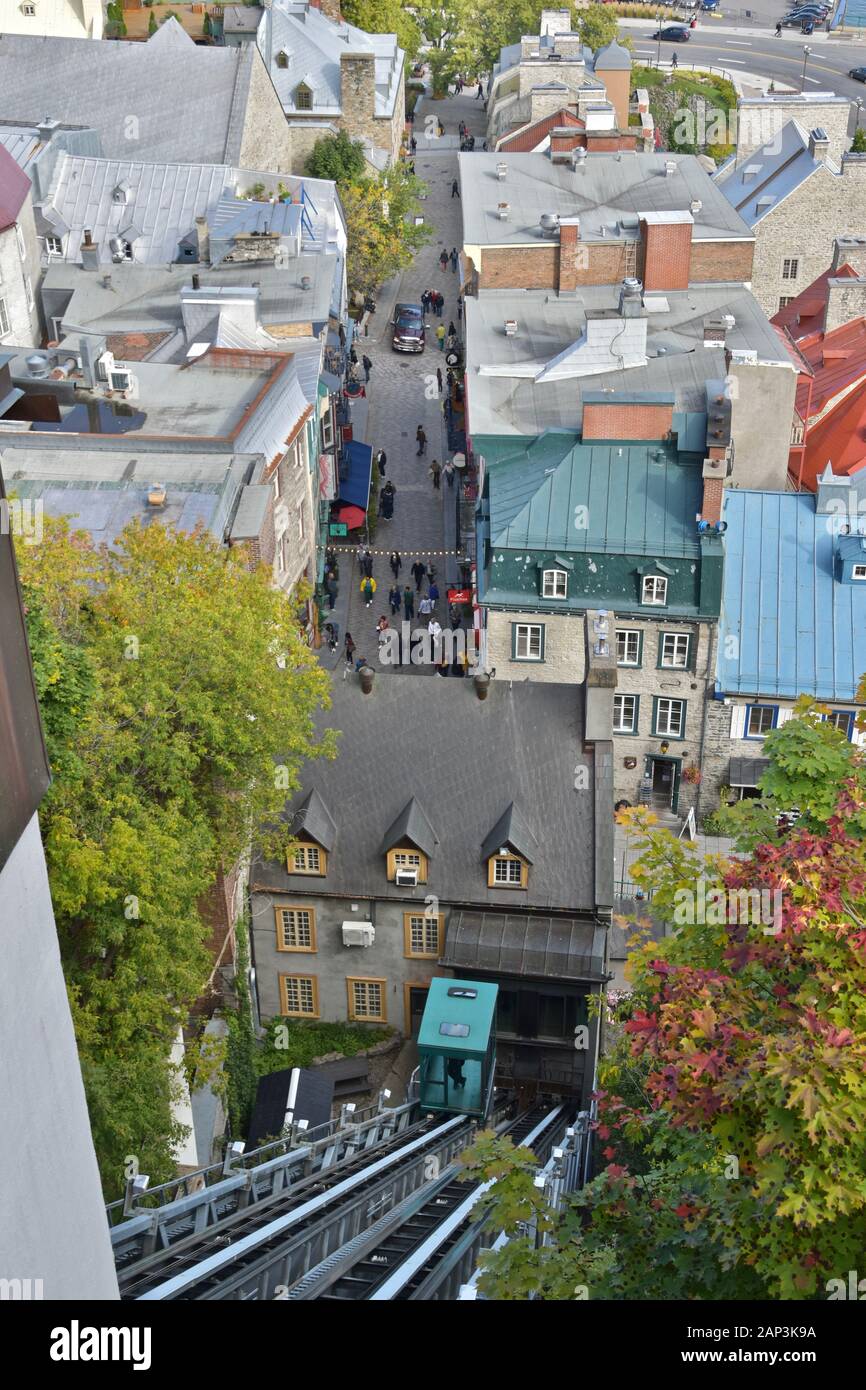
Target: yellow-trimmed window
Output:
[(507, 871), (423, 935), (407, 857), (296, 928), (308, 859), (299, 996), (367, 1000)]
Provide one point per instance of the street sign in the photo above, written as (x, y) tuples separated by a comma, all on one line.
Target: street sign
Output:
[(338, 528), (459, 595)]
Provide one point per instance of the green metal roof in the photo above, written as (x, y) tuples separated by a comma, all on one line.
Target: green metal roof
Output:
[(476, 1013), (640, 498)]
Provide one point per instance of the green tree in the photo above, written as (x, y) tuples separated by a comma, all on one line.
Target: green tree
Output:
[(385, 17), (152, 25), (337, 157), (380, 219), (487, 26), (597, 25), (438, 22), (858, 144), (165, 710)]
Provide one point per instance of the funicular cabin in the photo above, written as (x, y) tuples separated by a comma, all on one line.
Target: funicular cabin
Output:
[(457, 1047)]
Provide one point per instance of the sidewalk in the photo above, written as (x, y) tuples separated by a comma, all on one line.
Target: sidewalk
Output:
[(708, 28)]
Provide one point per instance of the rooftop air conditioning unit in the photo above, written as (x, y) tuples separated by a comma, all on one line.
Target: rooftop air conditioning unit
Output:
[(406, 878), (104, 365), (696, 205), (120, 380), (501, 171), (670, 168), (511, 328), (358, 933)]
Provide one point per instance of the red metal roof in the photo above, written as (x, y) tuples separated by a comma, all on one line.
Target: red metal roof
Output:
[(837, 360), (805, 314), (840, 439), (14, 187), (525, 138)]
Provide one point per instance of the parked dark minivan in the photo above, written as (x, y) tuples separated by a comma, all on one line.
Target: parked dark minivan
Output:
[(409, 328)]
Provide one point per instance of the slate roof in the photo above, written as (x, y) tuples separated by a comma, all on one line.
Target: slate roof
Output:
[(795, 628), (412, 825), (602, 192), (511, 829), (612, 57), (313, 818), (759, 183), (189, 101), (463, 759)]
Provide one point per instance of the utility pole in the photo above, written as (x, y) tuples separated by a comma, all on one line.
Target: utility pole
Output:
[(806, 51)]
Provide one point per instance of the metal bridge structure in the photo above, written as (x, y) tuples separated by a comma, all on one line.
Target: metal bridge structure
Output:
[(372, 1206)]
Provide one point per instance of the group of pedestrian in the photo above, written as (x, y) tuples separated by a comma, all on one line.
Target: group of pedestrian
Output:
[(433, 302), (445, 256), (459, 84), (467, 143)]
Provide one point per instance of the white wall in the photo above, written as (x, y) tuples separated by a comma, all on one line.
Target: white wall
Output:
[(56, 19), (52, 1217), (20, 275)]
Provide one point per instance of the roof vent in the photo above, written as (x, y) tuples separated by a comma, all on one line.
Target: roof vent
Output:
[(38, 364), (306, 282), (501, 171), (670, 168), (696, 205), (502, 212), (578, 157), (549, 222), (511, 328), (156, 495)]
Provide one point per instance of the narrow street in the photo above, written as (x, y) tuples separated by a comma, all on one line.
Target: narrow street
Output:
[(403, 393)]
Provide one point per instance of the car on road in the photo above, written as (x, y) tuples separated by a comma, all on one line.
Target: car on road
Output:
[(857, 74), (409, 328), (793, 21), (672, 34), (709, 4), (815, 12)]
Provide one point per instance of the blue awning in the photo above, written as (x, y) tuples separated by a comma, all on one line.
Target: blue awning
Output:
[(356, 467)]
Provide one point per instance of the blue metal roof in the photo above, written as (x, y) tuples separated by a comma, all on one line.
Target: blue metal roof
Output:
[(797, 630), (354, 481)]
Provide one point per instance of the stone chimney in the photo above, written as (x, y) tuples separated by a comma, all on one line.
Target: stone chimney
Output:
[(850, 250), (330, 9), (819, 144), (357, 90), (89, 252), (846, 300), (202, 236)]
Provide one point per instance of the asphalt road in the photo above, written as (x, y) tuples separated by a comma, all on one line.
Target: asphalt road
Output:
[(781, 59)]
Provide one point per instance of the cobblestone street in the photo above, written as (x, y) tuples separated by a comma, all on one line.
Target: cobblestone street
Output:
[(403, 393)]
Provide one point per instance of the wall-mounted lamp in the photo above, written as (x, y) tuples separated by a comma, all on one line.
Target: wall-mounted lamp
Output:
[(665, 746)]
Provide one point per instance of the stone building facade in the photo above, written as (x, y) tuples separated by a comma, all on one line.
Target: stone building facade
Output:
[(20, 270)]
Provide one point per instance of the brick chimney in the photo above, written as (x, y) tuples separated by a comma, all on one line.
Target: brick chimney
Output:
[(569, 236), (89, 252), (667, 245), (715, 471)]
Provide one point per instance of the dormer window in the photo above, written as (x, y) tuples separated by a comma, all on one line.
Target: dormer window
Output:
[(308, 858), (654, 590), (303, 97), (120, 193), (858, 571), (28, 11), (283, 58), (406, 860), (554, 584), (507, 870), (409, 843)]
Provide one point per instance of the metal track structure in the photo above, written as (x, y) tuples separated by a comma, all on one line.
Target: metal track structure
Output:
[(187, 1208), (427, 1247)]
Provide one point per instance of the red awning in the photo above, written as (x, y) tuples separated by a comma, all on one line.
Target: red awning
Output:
[(352, 516)]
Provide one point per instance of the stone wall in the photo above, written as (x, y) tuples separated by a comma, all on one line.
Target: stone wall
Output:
[(762, 411), (266, 142), (759, 121), (803, 226), (19, 280), (564, 654), (358, 104), (846, 300)]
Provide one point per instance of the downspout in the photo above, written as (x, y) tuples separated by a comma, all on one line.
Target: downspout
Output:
[(709, 668)]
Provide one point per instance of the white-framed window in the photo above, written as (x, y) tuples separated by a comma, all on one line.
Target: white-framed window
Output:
[(4, 319), (674, 650), (858, 571), (670, 717), (625, 714), (327, 430), (277, 484), (28, 11), (54, 245), (790, 267), (628, 646), (785, 300), (654, 590), (405, 859), (554, 584), (507, 871), (761, 719), (527, 641), (22, 247), (300, 523)]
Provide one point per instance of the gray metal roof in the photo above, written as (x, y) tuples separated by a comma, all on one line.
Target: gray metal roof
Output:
[(505, 399), (464, 759), (600, 192), (757, 185), (612, 57), (315, 820), (511, 829), (558, 948), (241, 19), (412, 825), (173, 99), (251, 512), (313, 44)]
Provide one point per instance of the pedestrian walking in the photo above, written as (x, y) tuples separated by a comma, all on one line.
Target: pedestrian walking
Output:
[(425, 300), (331, 589), (451, 342), (386, 501), (455, 189), (441, 130), (675, 62), (418, 571), (421, 441), (433, 594), (350, 650), (441, 303), (452, 331), (440, 336), (435, 630), (368, 367), (459, 307), (396, 563), (367, 562), (413, 146), (443, 259), (456, 618), (480, 93), (353, 357), (448, 470), (368, 589), (439, 379), (381, 461), (408, 604), (425, 607), (454, 259), (435, 472), (395, 598)]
